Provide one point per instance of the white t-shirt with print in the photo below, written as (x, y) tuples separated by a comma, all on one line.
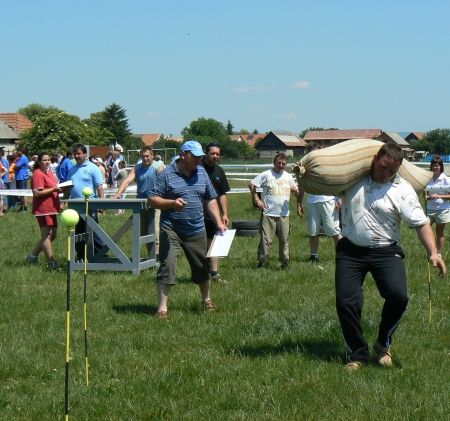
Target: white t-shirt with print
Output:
[(372, 211), (440, 185), (277, 188)]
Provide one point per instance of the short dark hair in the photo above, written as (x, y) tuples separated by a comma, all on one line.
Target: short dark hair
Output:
[(392, 150), (147, 148), (280, 155), (212, 145), (437, 160), (80, 146)]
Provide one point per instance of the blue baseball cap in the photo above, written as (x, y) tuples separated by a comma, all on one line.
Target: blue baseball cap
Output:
[(193, 147)]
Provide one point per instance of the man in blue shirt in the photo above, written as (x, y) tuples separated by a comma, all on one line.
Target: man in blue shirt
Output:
[(180, 191), (144, 173), (22, 171), (85, 174), (62, 170)]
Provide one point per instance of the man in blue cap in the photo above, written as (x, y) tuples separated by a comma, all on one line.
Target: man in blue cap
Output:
[(180, 191)]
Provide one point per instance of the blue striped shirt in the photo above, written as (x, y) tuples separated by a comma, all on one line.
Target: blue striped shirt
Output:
[(195, 190)]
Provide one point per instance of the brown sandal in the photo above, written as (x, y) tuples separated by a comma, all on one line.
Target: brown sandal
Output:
[(162, 315), (209, 306)]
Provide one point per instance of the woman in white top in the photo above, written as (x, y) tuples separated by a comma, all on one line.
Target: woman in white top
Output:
[(438, 196), (102, 167)]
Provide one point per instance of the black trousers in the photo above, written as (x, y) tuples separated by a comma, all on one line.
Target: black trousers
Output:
[(387, 268)]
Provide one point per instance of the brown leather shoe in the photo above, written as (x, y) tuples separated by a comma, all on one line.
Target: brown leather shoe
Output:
[(383, 355), (353, 365)]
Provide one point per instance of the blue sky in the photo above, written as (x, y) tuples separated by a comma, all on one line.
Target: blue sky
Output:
[(264, 65)]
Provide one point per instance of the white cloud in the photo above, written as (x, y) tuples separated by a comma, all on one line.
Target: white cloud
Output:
[(303, 84), (285, 116), (289, 116), (253, 88)]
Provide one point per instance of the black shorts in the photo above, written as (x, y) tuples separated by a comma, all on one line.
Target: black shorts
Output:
[(211, 229), (21, 184)]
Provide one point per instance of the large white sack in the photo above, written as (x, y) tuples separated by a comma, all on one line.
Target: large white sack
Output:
[(334, 169)]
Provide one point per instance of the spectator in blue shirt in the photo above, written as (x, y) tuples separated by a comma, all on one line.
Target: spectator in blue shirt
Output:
[(85, 174), (22, 173), (62, 170), (180, 191)]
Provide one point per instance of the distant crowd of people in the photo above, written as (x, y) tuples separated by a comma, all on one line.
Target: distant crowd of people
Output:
[(190, 199)]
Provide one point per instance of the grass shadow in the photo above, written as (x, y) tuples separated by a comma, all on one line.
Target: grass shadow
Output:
[(184, 280), (321, 349), (135, 309)]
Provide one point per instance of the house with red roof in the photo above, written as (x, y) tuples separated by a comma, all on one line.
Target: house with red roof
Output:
[(16, 121), (250, 139), (324, 138), (415, 136)]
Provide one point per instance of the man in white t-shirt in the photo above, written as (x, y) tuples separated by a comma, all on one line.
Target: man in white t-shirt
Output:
[(277, 186), (373, 209), (323, 211)]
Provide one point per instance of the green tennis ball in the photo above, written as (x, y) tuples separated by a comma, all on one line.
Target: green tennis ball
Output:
[(70, 218), (87, 192)]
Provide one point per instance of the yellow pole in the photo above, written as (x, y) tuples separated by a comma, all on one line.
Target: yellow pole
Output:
[(86, 363), (66, 390)]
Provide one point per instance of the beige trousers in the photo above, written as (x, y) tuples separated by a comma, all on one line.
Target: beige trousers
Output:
[(272, 226)]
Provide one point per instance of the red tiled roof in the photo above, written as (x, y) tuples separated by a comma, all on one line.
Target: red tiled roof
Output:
[(149, 138), (314, 135), (17, 121), (251, 139), (419, 135)]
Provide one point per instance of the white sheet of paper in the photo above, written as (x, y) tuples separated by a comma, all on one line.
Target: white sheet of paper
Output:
[(67, 183), (221, 244)]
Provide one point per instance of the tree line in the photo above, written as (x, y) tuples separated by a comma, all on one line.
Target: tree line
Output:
[(56, 131)]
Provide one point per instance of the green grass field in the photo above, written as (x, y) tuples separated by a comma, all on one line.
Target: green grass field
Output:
[(272, 351)]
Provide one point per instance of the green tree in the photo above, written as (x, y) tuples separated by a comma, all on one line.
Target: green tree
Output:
[(133, 142), (114, 119), (205, 130), (163, 143), (435, 141), (58, 132), (34, 111), (229, 128)]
